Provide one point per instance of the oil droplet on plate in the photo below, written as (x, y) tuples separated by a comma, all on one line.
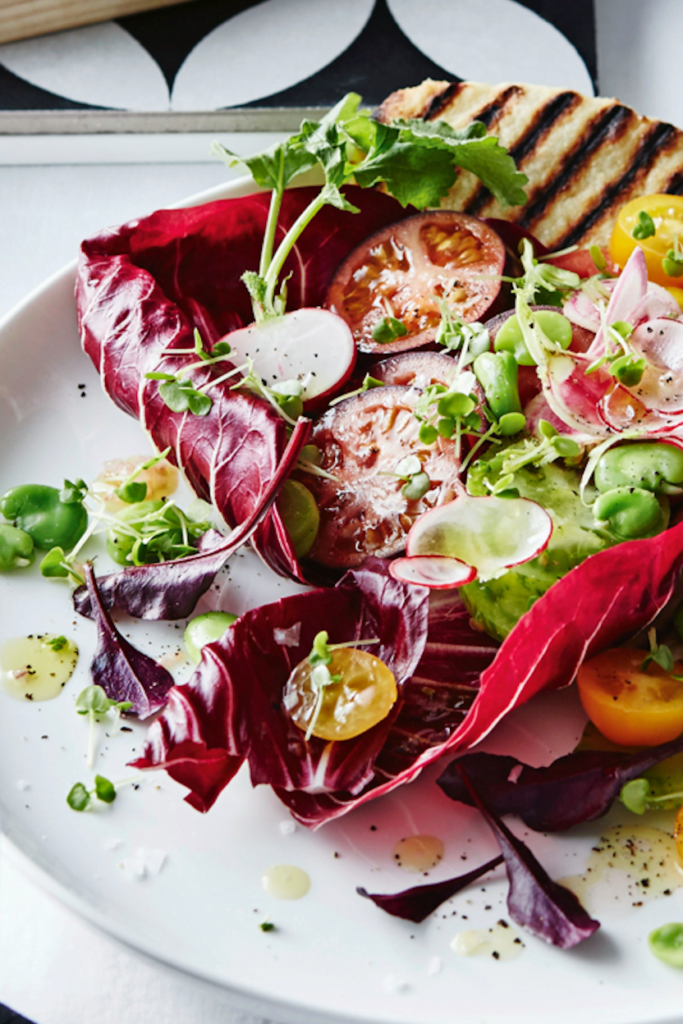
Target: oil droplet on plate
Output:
[(631, 863), (418, 853), (285, 882), (36, 667), (500, 942)]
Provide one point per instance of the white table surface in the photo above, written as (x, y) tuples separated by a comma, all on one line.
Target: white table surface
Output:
[(54, 968)]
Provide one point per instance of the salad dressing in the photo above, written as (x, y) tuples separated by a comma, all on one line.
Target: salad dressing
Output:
[(500, 942), (31, 669), (285, 882), (418, 853), (645, 858)]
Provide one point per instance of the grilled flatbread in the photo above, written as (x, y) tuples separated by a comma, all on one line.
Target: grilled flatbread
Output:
[(584, 156)]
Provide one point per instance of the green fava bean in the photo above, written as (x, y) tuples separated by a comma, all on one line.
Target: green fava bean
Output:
[(497, 373), (38, 511), (631, 512), (300, 515), (16, 548), (204, 629), (510, 338), (653, 465), (667, 943)]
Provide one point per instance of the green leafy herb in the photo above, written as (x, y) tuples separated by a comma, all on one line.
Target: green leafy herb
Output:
[(58, 643), (672, 264), (267, 926), (73, 493), (57, 565), (388, 329), (79, 798), (661, 655), (93, 702), (638, 796), (645, 227), (416, 161), (131, 491)]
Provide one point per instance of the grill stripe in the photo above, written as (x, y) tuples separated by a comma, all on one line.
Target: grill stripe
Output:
[(647, 151), (438, 103), (487, 114), (675, 186), (543, 120), (612, 123)]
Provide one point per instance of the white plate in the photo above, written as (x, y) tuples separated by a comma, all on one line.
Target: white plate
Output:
[(333, 955)]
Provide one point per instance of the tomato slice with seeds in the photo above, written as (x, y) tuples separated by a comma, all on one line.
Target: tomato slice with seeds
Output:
[(363, 510), (404, 269)]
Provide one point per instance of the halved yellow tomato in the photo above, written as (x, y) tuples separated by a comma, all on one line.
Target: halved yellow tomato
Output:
[(667, 214), (629, 706)]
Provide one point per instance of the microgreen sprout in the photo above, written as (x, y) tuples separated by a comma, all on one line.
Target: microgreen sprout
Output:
[(638, 797), (132, 490), (539, 276), (619, 358), (367, 385), (93, 702), (57, 564), (672, 264), (444, 412), (80, 798), (57, 643), (388, 329), (598, 258), (321, 677), (267, 926), (645, 228), (533, 451), (456, 335), (417, 482), (73, 493), (661, 655)]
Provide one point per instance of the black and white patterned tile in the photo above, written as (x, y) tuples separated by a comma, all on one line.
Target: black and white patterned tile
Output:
[(213, 55)]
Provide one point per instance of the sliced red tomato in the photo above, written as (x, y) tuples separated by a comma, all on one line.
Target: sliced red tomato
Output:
[(420, 368), (630, 706), (363, 510), (403, 270), (582, 263)]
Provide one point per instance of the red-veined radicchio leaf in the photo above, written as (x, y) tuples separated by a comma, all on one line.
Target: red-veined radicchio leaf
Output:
[(123, 672), (536, 903), (418, 903)]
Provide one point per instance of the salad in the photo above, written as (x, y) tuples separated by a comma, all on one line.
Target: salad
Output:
[(452, 435)]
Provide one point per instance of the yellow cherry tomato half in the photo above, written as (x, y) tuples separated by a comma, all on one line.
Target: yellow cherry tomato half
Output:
[(667, 215), (362, 697), (629, 706)]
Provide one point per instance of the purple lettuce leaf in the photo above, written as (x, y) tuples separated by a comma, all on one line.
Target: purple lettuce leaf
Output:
[(123, 672), (536, 903), (576, 788), (233, 703), (417, 903), (170, 590)]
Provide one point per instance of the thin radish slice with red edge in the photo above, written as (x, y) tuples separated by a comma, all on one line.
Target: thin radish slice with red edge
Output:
[(436, 571), (312, 346), (492, 534)]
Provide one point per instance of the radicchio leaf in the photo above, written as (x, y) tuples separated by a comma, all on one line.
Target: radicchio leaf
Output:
[(123, 672), (143, 288), (576, 788), (545, 908), (170, 590), (417, 903)]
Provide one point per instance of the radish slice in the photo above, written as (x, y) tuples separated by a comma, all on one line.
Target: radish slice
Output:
[(312, 346), (436, 571), (492, 534)]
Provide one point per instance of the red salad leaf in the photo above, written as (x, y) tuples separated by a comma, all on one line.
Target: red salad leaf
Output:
[(234, 701), (599, 604), (143, 288), (417, 903), (123, 672), (170, 590), (536, 903), (576, 788)]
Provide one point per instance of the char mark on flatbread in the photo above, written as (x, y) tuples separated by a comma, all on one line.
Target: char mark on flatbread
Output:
[(584, 156)]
